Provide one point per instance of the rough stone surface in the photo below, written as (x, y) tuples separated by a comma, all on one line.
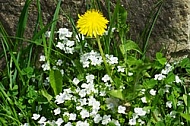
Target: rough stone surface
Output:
[(171, 30)]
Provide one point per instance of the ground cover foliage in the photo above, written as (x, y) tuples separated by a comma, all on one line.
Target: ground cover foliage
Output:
[(64, 78)]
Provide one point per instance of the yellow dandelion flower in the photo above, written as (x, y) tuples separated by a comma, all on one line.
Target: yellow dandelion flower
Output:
[(92, 23)]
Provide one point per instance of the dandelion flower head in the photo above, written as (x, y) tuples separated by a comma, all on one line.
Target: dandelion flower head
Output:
[(92, 23)]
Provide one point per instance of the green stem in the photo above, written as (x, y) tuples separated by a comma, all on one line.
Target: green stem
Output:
[(103, 56)]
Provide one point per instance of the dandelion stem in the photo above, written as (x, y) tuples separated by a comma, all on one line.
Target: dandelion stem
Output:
[(103, 56)]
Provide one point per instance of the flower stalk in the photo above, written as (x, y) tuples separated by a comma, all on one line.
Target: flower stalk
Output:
[(103, 56)]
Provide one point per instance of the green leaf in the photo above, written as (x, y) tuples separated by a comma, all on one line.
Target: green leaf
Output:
[(170, 78), (160, 58), (129, 45), (185, 99), (46, 95), (184, 62), (160, 123), (116, 93), (185, 116), (56, 81)]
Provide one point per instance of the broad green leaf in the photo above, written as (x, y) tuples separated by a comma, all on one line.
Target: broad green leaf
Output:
[(185, 116), (184, 62), (160, 58), (56, 81), (129, 45), (46, 95), (170, 78), (160, 123), (116, 93)]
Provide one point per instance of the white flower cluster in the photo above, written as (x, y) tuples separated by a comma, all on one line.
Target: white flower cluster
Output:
[(138, 113), (94, 58), (65, 44), (45, 66), (87, 105), (164, 72)]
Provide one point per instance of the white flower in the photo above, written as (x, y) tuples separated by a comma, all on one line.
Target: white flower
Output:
[(47, 34), (130, 73), (25, 124), (112, 30), (106, 119), (62, 72), (94, 112), (90, 78), (63, 96), (121, 109), (82, 93), (69, 50), (97, 118), (179, 103), (143, 99), (66, 114), (80, 123), (106, 78), (173, 114), (167, 88), (177, 80), (57, 111), (70, 43), (120, 69), (59, 121), (35, 116), (42, 120), (68, 124), (72, 116), (141, 121), (60, 45), (132, 122), (102, 93), (79, 107), (116, 122), (42, 58), (45, 67), (84, 113), (76, 81), (59, 62), (111, 59), (159, 77), (139, 111), (63, 33), (92, 58), (153, 92), (143, 91), (167, 69), (169, 104), (82, 101), (94, 103), (89, 87)]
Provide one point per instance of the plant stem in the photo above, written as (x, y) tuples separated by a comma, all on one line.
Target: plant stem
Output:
[(103, 56)]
